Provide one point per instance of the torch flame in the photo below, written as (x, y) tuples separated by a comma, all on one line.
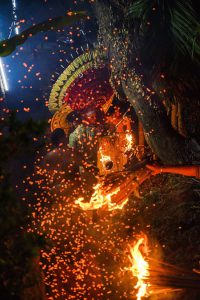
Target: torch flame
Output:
[(140, 267), (100, 199)]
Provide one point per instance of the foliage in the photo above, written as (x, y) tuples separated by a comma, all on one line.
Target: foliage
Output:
[(166, 40), (18, 248), (16, 136), (169, 32), (168, 23)]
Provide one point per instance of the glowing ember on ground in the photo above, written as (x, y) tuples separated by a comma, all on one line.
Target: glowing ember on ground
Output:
[(140, 266), (101, 199)]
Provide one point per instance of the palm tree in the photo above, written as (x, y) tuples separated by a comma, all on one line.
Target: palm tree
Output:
[(154, 51)]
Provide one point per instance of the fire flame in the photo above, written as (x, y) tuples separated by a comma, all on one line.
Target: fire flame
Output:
[(140, 266), (99, 199), (129, 139), (104, 158), (159, 282)]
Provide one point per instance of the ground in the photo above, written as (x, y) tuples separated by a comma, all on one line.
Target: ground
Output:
[(87, 253)]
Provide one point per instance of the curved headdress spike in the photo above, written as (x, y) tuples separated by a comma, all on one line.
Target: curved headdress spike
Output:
[(59, 119)]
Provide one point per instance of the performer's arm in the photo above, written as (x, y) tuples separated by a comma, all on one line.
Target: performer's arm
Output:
[(193, 171)]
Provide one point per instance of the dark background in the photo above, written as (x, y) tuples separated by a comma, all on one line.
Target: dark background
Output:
[(33, 68)]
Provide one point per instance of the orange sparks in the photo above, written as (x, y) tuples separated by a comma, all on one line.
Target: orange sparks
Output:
[(140, 266), (99, 199)]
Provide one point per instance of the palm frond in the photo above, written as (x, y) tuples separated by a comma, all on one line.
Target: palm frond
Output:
[(174, 19), (184, 27), (139, 9)]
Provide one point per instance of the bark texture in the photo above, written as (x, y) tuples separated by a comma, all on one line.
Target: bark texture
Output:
[(118, 39)]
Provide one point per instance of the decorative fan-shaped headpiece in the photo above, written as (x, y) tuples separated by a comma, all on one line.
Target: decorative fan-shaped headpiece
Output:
[(83, 84)]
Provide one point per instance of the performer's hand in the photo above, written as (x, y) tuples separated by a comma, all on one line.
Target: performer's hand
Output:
[(156, 169)]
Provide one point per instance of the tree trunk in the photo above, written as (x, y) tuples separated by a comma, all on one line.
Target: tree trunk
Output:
[(167, 144)]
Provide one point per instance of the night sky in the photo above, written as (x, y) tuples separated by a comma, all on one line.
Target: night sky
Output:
[(33, 68)]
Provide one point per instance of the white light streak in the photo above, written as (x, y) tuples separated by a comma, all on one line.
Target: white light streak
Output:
[(14, 4), (3, 76), (16, 30)]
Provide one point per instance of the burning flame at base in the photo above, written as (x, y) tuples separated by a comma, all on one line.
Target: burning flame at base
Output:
[(99, 199), (140, 266), (159, 277)]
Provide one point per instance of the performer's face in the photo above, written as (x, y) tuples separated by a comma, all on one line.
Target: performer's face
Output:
[(91, 118)]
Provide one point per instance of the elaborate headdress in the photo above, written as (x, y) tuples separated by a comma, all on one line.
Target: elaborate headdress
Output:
[(84, 83)]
